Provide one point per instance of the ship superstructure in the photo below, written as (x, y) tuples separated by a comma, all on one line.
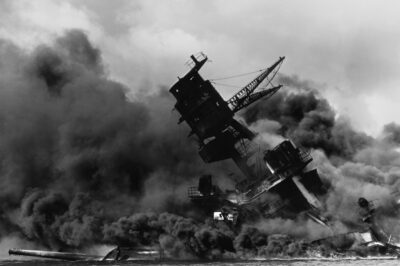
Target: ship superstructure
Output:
[(283, 187)]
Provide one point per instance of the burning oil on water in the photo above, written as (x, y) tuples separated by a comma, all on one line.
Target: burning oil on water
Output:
[(271, 172)]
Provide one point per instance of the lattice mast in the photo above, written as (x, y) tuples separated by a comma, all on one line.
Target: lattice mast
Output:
[(246, 95)]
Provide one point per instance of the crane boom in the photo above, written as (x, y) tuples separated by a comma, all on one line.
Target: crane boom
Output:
[(244, 102), (234, 101)]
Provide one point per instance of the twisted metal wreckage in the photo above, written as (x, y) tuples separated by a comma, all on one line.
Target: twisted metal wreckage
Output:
[(276, 181)]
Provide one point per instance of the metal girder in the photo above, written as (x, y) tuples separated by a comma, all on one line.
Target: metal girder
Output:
[(244, 102), (249, 88)]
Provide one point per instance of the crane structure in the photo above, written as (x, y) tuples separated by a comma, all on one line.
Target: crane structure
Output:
[(245, 96), (211, 118), (221, 136)]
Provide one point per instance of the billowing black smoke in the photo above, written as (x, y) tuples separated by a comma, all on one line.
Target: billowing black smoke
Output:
[(391, 133), (76, 154), (351, 163), (81, 164), (308, 119)]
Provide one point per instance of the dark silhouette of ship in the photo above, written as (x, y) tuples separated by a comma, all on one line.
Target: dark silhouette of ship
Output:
[(277, 184), (277, 181)]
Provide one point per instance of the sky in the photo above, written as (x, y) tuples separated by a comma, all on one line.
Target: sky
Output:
[(349, 50)]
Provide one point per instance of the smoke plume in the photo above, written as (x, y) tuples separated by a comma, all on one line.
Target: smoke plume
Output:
[(308, 119), (81, 164), (350, 163), (76, 153)]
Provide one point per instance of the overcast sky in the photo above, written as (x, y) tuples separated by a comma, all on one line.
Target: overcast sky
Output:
[(350, 49)]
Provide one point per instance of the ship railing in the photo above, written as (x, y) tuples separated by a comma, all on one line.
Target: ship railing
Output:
[(193, 192), (266, 185), (199, 57)]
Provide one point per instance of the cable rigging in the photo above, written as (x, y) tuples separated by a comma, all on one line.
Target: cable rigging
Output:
[(238, 75)]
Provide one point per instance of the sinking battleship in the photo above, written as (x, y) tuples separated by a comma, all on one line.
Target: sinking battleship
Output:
[(279, 185), (282, 185), (277, 182)]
